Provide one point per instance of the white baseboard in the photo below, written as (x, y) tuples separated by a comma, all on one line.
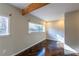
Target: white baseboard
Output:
[(26, 48)]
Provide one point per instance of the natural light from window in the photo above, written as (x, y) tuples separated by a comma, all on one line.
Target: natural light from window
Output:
[(4, 26), (33, 27)]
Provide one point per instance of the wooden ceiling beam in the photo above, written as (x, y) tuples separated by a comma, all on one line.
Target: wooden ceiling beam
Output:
[(32, 7)]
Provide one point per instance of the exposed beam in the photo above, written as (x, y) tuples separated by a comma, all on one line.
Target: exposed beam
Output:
[(32, 7)]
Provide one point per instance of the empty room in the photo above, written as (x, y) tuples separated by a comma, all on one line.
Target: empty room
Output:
[(39, 29)]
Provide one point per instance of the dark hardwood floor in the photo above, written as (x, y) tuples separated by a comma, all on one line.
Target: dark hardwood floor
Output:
[(45, 48)]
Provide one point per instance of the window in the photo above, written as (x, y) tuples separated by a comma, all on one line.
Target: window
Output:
[(4, 25), (36, 28)]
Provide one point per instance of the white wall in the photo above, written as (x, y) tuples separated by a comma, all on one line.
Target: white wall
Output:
[(72, 30), (55, 28), (19, 37)]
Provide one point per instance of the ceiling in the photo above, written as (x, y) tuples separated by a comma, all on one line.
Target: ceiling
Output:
[(20, 5), (51, 11)]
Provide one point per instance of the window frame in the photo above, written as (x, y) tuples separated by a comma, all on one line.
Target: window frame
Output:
[(7, 31), (37, 24)]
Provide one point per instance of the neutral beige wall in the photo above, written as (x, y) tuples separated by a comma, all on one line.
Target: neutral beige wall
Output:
[(55, 27), (19, 37), (72, 30)]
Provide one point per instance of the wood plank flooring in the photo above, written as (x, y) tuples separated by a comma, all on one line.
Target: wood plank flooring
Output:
[(45, 48)]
